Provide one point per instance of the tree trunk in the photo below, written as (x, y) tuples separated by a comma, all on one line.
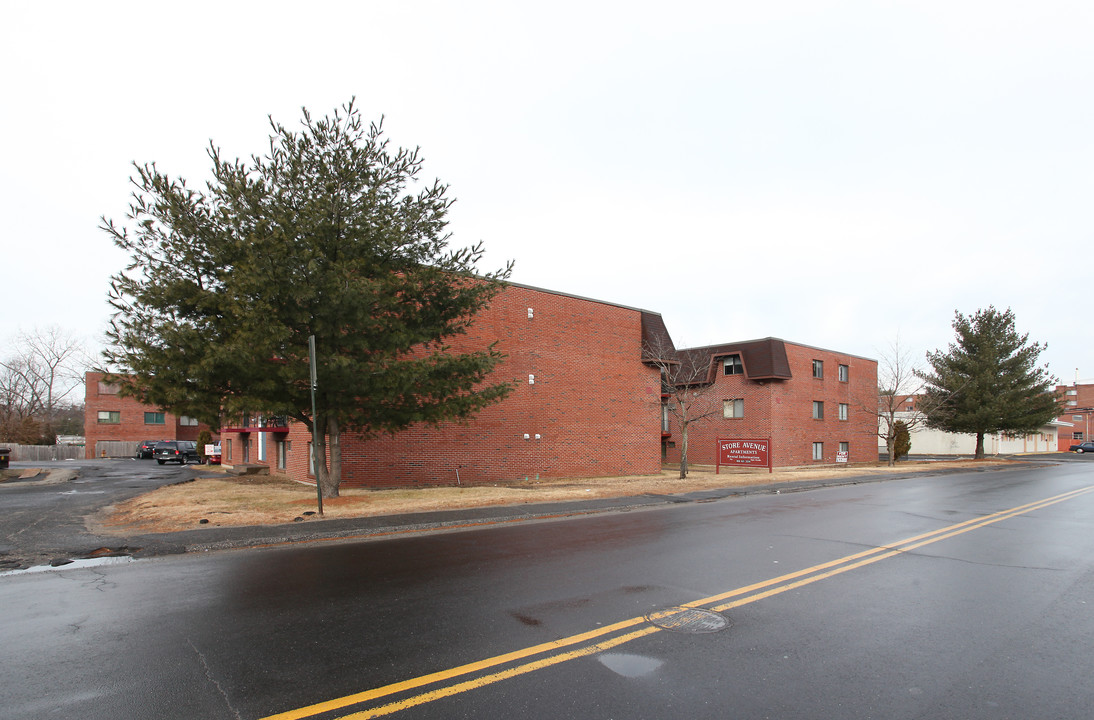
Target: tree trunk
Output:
[(335, 475), (890, 445), (683, 450), (979, 446), (328, 487)]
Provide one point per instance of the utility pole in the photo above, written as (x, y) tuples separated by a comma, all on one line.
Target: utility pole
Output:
[(314, 424)]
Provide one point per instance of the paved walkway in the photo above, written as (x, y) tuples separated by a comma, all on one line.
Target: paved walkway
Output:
[(68, 543)]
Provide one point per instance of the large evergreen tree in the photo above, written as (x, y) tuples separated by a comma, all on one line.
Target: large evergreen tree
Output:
[(988, 381), (322, 236)]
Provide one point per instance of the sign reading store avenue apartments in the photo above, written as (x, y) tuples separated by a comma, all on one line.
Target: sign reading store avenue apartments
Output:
[(744, 453)]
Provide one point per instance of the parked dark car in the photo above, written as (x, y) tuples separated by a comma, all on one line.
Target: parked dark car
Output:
[(1083, 447), (180, 451), (145, 450)]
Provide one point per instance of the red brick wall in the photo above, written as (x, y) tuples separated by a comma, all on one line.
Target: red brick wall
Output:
[(594, 405), (132, 427), (1079, 411), (782, 410)]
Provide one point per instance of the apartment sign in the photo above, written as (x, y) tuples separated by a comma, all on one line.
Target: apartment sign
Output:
[(744, 453)]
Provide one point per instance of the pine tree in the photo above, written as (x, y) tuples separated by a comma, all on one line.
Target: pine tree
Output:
[(988, 381), (322, 236)]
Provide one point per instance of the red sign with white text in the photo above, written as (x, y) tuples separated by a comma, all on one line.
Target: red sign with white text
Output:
[(745, 453)]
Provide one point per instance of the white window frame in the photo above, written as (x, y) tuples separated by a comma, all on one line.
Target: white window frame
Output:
[(283, 454)]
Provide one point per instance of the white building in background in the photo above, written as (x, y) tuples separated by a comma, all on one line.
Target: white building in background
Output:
[(926, 441)]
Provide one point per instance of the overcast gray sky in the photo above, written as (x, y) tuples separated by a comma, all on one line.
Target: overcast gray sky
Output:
[(837, 174)]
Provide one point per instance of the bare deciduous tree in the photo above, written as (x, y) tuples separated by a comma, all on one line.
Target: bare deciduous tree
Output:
[(685, 384), (41, 374), (897, 383)]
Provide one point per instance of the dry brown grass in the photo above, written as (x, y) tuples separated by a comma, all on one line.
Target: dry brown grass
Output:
[(270, 500)]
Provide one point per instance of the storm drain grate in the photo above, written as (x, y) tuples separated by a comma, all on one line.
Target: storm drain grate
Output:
[(688, 620)]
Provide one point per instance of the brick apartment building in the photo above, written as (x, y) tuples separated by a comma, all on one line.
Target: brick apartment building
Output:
[(584, 404), (112, 418), (1078, 415), (587, 402), (809, 402)]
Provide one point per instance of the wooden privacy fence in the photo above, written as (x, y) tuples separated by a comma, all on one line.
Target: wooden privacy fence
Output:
[(115, 448), (41, 453)]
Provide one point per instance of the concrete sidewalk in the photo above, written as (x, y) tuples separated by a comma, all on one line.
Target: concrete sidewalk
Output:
[(71, 546), (313, 529)]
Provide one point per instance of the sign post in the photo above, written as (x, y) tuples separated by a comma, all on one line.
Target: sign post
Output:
[(750, 452), (314, 424)]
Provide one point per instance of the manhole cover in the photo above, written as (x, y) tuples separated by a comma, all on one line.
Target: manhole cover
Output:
[(689, 620)]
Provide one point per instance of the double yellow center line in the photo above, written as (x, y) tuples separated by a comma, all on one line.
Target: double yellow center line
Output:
[(604, 638)]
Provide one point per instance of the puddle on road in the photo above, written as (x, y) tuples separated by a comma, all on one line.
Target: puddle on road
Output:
[(628, 665)]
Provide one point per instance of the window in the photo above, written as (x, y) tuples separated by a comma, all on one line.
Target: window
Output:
[(818, 451), (844, 410), (845, 447), (733, 408), (665, 418), (1072, 392), (818, 410), (106, 388), (1076, 436), (818, 368), (1077, 418), (844, 373), (110, 416), (283, 454), (228, 447), (262, 447), (732, 365), (1072, 403), (154, 418), (188, 421)]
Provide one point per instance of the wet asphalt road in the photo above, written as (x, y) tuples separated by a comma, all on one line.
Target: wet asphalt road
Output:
[(834, 611), (44, 519)]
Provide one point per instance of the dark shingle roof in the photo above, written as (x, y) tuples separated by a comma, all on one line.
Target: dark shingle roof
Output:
[(762, 359), (656, 341)]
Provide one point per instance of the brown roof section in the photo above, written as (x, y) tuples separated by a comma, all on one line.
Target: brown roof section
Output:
[(656, 341), (762, 359)]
